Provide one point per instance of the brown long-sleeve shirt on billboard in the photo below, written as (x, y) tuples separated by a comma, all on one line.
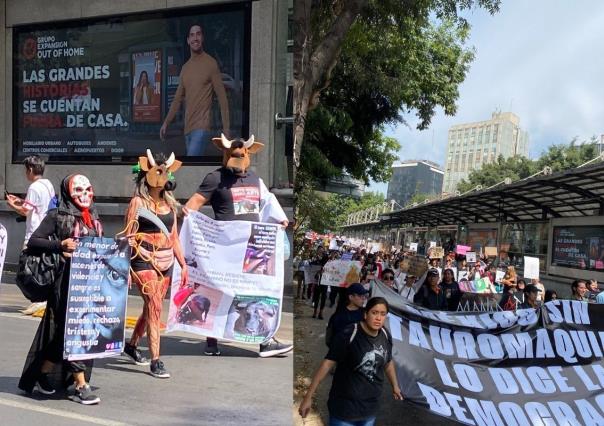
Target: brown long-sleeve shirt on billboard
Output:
[(199, 77)]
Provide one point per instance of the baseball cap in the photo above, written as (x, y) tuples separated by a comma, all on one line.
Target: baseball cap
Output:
[(531, 288), (356, 288)]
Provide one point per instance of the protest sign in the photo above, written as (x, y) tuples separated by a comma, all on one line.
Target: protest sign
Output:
[(432, 244), (347, 256), (96, 300), (235, 280), (471, 256), (462, 250), (333, 244), (341, 273), (501, 368), (310, 273), (437, 253), (413, 247), (499, 276), (531, 267), (404, 265), (490, 251), (417, 266)]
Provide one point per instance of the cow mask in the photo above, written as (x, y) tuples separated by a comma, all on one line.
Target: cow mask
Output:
[(236, 152), (157, 175)]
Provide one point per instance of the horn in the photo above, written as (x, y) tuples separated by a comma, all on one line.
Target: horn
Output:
[(170, 160), (248, 143), (225, 142), (151, 159)]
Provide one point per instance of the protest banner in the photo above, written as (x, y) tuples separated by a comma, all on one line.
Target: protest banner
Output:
[(96, 300), (235, 280), (3, 242), (462, 250), (490, 251), (341, 273), (417, 266), (471, 256), (525, 367), (413, 247), (531, 267)]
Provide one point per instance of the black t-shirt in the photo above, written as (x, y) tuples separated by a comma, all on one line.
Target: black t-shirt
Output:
[(232, 197), (357, 383), (343, 318)]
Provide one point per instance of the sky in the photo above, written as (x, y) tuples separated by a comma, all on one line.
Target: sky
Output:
[(541, 59)]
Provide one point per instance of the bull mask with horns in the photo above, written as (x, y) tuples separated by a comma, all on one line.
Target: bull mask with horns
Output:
[(158, 175), (236, 152)]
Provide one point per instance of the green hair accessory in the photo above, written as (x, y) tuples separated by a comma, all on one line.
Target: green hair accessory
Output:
[(136, 168)]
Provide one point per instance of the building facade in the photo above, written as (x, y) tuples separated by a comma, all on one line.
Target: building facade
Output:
[(472, 145), (414, 177)]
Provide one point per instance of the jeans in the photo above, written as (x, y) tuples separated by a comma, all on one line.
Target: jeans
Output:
[(337, 422), (197, 140)]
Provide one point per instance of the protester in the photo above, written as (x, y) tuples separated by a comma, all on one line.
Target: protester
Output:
[(319, 296), (550, 295), (593, 290), (219, 187), (362, 353), (155, 245), (431, 294), (408, 291), (540, 286), (75, 217), (352, 312), (579, 290), (37, 200), (531, 293), (451, 288), (388, 279)]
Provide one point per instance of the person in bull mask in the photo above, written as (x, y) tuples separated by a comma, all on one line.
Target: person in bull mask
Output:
[(237, 193)]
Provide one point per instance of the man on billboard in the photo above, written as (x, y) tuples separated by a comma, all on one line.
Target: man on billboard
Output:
[(199, 79)]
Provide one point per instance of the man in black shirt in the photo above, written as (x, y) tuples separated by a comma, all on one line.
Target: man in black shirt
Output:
[(237, 193), (350, 314)]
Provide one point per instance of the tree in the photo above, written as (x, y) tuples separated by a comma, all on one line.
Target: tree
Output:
[(418, 198), (321, 28), (557, 157), (381, 72)]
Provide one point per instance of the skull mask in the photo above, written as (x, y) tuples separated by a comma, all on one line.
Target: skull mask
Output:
[(81, 191)]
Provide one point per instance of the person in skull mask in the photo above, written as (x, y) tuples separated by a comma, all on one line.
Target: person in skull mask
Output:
[(153, 235), (237, 193), (58, 233)]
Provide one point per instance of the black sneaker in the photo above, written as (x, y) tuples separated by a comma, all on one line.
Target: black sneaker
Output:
[(85, 396), (135, 354), (273, 347), (212, 351), (43, 385), (158, 370)]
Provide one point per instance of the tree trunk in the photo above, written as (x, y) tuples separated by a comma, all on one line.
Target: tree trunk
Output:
[(312, 68)]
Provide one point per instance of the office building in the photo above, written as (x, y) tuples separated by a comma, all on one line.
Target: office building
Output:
[(414, 177), (472, 145)]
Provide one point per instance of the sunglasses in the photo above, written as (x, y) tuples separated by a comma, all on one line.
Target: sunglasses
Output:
[(388, 278)]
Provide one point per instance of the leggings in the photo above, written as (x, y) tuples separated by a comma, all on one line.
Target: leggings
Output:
[(153, 291)]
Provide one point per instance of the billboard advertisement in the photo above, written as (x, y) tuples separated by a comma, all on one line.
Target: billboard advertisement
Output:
[(579, 247), (104, 90)]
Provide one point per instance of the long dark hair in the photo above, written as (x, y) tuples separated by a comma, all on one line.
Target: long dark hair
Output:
[(142, 188)]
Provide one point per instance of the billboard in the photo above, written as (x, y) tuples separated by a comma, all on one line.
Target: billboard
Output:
[(104, 90), (579, 247)]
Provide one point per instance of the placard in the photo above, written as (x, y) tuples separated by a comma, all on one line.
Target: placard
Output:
[(413, 247), (531, 267), (490, 251), (471, 257), (437, 253), (499, 276), (417, 266), (341, 273), (432, 244), (462, 250)]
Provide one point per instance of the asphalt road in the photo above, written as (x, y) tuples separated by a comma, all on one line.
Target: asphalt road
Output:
[(237, 388)]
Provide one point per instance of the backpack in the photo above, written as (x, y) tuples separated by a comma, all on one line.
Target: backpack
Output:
[(36, 274), (54, 202)]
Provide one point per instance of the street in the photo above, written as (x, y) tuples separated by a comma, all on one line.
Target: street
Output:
[(235, 388)]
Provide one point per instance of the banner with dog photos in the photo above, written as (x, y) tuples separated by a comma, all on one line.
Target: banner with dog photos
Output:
[(235, 285)]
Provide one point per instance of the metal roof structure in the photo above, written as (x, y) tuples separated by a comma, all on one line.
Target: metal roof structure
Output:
[(577, 192)]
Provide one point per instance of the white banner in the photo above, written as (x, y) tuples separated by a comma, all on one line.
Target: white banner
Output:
[(235, 288), (341, 273)]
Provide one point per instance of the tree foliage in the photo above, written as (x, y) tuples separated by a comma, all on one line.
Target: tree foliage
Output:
[(557, 157)]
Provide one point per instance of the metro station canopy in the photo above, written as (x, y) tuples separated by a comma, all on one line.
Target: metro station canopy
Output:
[(573, 193)]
